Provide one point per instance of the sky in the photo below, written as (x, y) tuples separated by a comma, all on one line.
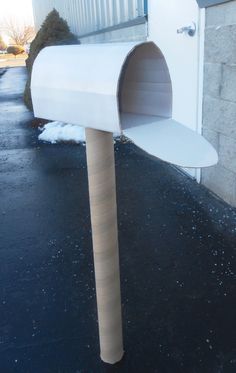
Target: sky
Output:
[(19, 10)]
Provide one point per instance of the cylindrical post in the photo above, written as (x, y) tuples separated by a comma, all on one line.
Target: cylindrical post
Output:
[(103, 209)]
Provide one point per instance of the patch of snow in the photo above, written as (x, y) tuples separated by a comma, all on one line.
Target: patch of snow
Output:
[(55, 132), (59, 132)]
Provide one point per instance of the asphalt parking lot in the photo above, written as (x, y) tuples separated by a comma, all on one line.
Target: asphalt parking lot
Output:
[(177, 253)]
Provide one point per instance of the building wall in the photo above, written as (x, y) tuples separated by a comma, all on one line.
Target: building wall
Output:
[(89, 16), (219, 108), (205, 3), (124, 34)]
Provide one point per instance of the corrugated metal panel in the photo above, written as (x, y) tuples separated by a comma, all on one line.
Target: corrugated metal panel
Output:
[(85, 16)]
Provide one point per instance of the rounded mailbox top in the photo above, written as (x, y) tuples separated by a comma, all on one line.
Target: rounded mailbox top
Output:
[(78, 84)]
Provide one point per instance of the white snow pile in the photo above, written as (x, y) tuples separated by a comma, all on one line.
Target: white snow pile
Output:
[(55, 132), (61, 132)]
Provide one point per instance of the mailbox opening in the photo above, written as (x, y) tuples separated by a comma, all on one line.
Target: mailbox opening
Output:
[(145, 89), (145, 107)]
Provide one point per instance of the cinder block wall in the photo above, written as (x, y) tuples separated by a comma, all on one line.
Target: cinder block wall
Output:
[(219, 108)]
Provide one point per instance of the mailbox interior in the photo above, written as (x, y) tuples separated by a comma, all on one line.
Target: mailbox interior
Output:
[(145, 109), (145, 89)]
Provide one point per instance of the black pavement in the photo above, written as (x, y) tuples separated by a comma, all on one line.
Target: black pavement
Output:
[(177, 249)]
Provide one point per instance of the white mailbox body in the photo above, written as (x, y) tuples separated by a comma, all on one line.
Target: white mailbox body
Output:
[(78, 84), (117, 87)]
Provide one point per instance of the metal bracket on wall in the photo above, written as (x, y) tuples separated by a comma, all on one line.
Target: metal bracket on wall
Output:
[(190, 30)]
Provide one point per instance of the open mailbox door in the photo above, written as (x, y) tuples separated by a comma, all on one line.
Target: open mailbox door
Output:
[(117, 87)]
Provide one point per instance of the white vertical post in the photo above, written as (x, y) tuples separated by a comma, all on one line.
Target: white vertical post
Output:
[(102, 194)]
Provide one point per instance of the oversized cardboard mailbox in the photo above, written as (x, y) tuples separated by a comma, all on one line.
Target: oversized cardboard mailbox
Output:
[(118, 87), (123, 88)]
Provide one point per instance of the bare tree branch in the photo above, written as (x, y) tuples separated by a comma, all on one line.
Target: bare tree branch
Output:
[(20, 34)]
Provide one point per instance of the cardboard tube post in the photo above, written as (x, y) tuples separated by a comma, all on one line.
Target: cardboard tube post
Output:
[(103, 209)]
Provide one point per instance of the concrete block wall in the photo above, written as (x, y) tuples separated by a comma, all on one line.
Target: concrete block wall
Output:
[(219, 105)]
